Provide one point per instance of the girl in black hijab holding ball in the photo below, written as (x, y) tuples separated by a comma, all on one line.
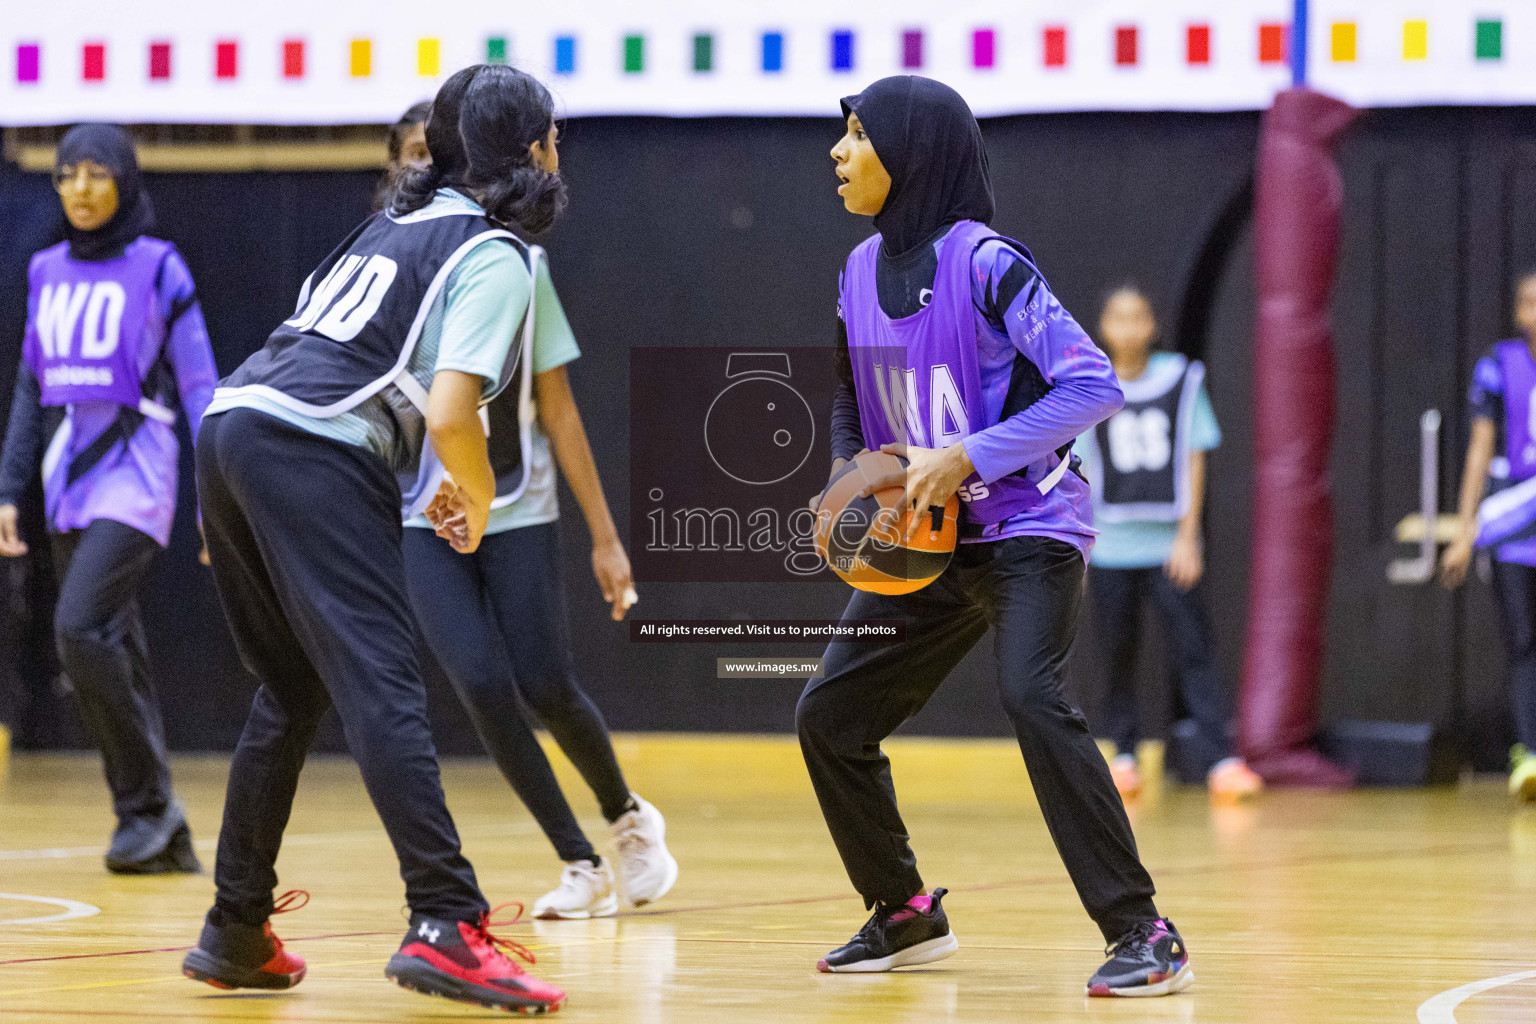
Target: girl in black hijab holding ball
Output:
[(995, 382)]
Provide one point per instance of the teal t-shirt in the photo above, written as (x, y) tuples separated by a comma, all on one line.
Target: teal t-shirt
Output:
[(469, 327), (553, 345), (1145, 543)]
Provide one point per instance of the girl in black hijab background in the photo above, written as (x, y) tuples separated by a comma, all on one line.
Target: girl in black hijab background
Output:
[(115, 351), (1000, 380)]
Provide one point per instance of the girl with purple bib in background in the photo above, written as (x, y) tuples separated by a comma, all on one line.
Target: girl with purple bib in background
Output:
[(1503, 447), (960, 359), (115, 344)]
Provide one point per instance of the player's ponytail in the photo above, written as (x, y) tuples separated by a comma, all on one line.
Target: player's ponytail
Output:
[(504, 112)]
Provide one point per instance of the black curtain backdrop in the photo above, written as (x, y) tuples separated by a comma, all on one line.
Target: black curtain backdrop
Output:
[(728, 232)]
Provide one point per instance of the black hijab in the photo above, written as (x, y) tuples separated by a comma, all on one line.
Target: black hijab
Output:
[(931, 146), (112, 147)]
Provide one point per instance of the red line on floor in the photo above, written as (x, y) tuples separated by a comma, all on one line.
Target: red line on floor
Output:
[(1193, 869)]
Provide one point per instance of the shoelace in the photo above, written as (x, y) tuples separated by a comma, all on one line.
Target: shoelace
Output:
[(487, 922), (877, 920), (293, 899), (1140, 935)]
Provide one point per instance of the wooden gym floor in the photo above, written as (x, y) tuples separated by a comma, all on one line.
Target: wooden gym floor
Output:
[(1364, 907)]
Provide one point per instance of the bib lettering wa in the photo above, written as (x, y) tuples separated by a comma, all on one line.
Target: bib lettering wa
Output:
[(917, 378), (90, 320), (1143, 463)]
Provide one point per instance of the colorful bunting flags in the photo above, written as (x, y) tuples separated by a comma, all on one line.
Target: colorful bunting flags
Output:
[(159, 61), (1056, 46), (565, 55), (773, 51), (93, 62), (842, 50), (984, 48), (1342, 38), (1197, 44), (28, 62), (912, 49), (1488, 43), (1136, 60)]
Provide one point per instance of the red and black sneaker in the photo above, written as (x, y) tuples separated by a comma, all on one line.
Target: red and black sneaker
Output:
[(230, 954), (465, 962)]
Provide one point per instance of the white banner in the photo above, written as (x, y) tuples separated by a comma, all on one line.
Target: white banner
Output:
[(349, 61)]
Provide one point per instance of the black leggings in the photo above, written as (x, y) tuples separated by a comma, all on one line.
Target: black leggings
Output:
[(1117, 595), (1028, 590), (304, 533), (1515, 585), (496, 622), (100, 637)]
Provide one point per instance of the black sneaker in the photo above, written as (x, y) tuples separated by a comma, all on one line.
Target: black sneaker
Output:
[(1149, 960), (917, 932), (153, 846), (231, 955)]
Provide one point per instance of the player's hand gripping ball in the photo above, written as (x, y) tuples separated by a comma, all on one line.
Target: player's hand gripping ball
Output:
[(864, 539)]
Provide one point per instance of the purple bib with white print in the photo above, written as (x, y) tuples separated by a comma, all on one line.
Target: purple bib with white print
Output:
[(1519, 372), (90, 320), (917, 378)]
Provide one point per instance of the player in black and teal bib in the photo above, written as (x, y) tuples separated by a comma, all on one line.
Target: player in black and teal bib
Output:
[(496, 620), (1147, 466), (399, 339)]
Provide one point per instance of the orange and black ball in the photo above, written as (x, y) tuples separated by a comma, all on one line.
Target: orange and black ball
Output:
[(864, 539)]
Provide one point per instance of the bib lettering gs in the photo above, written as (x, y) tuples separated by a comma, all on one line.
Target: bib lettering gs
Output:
[(917, 379), (89, 321)]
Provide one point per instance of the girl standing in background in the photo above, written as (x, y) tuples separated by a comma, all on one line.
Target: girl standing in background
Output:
[(496, 620), (115, 344), (1503, 446), (1147, 467)]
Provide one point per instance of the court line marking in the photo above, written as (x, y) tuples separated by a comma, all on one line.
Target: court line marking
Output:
[(1441, 1009), (515, 828), (159, 980), (1192, 869), (72, 909)]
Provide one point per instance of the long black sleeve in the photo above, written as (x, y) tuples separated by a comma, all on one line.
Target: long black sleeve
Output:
[(23, 437), (847, 433)]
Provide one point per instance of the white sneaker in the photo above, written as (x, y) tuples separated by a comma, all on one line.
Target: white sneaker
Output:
[(584, 891), (648, 870)]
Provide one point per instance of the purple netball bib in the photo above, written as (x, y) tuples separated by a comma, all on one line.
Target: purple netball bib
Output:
[(1519, 373), (89, 320), (917, 378)]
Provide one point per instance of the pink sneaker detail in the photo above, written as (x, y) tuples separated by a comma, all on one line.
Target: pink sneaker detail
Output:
[(919, 904)]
